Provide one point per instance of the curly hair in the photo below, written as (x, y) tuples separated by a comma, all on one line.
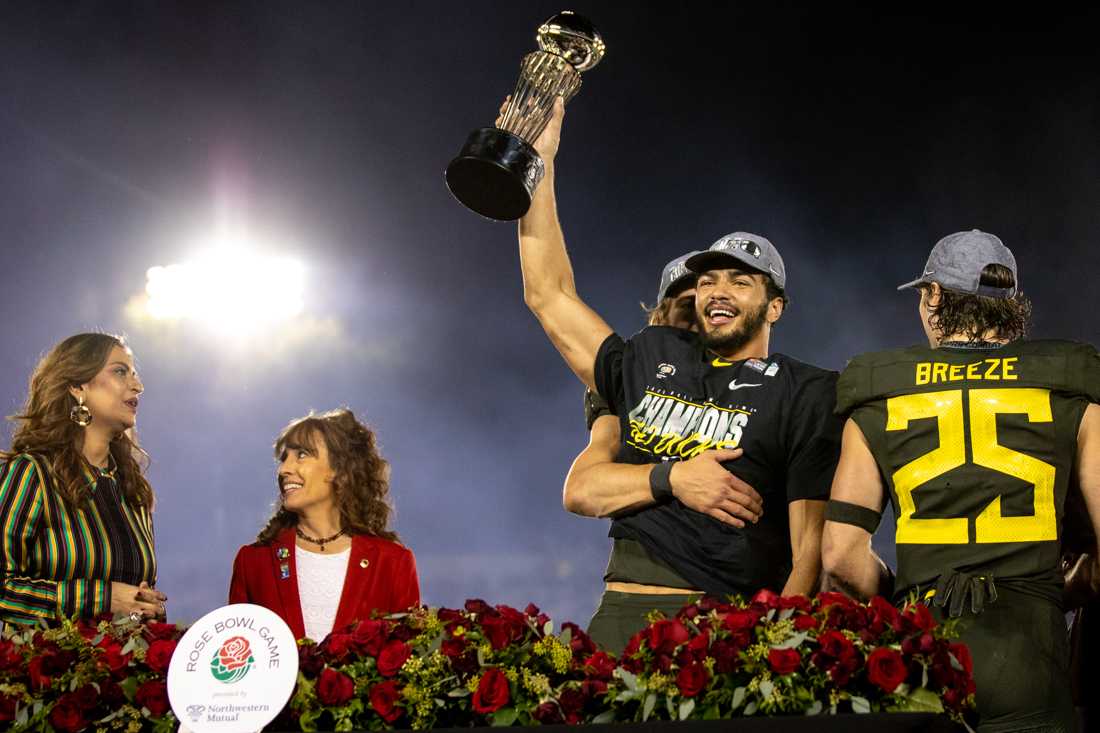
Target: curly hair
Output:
[(361, 484), (46, 430), (973, 316)]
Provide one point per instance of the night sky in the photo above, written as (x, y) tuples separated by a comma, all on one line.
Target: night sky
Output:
[(853, 140)]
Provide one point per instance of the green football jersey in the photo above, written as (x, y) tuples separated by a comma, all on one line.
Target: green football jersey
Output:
[(977, 449)]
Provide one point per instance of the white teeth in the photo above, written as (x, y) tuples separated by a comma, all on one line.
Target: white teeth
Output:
[(721, 313), (289, 487)]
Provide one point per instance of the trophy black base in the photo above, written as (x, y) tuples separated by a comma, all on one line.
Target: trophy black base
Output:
[(495, 174)]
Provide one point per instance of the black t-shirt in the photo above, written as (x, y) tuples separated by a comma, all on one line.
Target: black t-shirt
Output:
[(976, 448), (674, 400)]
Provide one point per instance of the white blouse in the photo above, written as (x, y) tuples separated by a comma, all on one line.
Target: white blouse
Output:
[(320, 583)]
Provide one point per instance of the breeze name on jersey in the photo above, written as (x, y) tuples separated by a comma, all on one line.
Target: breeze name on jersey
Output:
[(934, 372)]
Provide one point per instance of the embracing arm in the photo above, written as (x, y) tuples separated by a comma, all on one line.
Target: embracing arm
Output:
[(850, 564), (598, 487), (806, 519), (548, 289)]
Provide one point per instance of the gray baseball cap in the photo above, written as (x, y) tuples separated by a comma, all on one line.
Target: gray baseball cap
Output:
[(957, 261), (676, 278), (742, 249)]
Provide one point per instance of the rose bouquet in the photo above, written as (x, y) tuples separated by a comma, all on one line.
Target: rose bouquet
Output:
[(482, 665), (778, 655), (98, 675), (495, 665)]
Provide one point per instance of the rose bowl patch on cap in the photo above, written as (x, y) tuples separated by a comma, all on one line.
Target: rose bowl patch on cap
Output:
[(233, 671)]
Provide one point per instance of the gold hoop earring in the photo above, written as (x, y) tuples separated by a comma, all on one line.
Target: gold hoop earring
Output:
[(80, 414)]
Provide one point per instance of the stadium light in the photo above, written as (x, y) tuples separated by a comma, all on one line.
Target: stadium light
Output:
[(230, 287)]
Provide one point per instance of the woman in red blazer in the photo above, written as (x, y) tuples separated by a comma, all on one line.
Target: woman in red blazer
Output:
[(327, 558)]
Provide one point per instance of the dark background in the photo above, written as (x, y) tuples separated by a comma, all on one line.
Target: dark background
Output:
[(854, 139)]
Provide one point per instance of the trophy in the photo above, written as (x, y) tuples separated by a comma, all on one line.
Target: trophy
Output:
[(497, 170)]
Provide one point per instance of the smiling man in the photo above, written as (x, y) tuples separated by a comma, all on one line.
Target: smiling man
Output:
[(678, 395)]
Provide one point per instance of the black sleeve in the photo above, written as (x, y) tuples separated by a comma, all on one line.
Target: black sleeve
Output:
[(608, 372), (814, 440)]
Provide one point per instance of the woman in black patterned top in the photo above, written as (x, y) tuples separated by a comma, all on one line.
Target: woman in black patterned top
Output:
[(76, 530)]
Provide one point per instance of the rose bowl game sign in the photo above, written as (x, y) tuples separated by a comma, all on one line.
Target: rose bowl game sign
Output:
[(233, 671)]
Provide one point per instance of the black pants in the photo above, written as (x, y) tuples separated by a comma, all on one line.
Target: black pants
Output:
[(621, 615), (1021, 664)]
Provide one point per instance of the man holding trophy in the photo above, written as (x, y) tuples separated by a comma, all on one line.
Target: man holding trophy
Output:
[(678, 395)]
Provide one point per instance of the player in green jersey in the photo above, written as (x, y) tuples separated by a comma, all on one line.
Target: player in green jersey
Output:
[(976, 440)]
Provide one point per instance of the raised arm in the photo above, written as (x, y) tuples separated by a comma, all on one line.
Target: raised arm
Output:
[(598, 487), (548, 289), (850, 564)]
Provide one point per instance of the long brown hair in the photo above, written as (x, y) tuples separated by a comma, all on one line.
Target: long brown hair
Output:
[(361, 484), (45, 429), (973, 315)]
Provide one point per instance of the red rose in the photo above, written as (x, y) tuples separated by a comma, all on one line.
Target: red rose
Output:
[(593, 688), (726, 655), (87, 629), (452, 648), (884, 615), (784, 661), (111, 694), (630, 660), (600, 666), (665, 635), (740, 620), (112, 657), (57, 662), (67, 716), (39, 679), (692, 679), (478, 606), (917, 617), (87, 697), (153, 695), (829, 598), (836, 645), (961, 652), (10, 657), (450, 616), (392, 657), (383, 698), (801, 603), (334, 688), (336, 646), (160, 630), (369, 636), (7, 708), (580, 642), (548, 713), (923, 644), (805, 622), (310, 660), (886, 668), (766, 598), (503, 625), (159, 655), (492, 692), (572, 701)]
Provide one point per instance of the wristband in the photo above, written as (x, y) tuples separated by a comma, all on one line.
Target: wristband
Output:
[(660, 482)]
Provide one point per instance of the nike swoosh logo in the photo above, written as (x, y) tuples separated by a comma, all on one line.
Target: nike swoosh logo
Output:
[(719, 362), (734, 385)]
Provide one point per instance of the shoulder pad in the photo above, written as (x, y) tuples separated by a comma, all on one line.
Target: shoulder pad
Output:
[(867, 377)]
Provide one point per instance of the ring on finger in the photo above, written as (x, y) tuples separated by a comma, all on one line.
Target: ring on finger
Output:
[(135, 616)]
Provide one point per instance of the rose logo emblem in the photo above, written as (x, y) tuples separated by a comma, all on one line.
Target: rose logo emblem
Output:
[(232, 662)]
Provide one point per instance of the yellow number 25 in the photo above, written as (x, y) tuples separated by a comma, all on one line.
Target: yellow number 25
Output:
[(985, 404)]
